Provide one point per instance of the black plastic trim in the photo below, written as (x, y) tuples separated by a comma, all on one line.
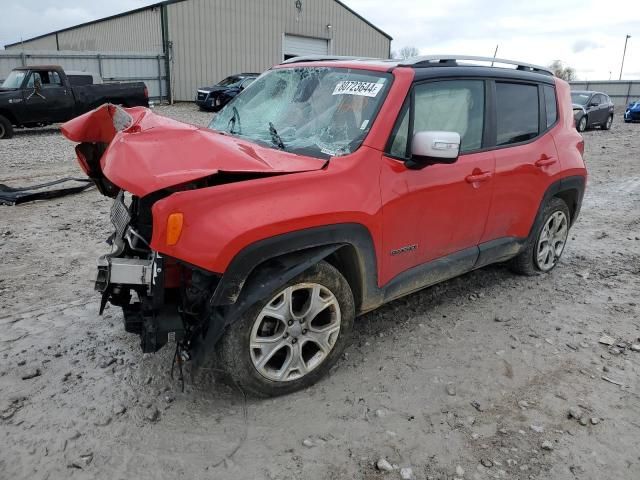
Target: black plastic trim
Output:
[(256, 254), (427, 274), (499, 250)]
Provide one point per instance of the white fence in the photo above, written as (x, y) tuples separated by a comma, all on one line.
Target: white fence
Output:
[(621, 92), (149, 68)]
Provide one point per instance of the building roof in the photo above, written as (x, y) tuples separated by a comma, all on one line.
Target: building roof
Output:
[(167, 2)]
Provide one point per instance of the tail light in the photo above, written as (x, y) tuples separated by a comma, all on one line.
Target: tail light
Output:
[(82, 160)]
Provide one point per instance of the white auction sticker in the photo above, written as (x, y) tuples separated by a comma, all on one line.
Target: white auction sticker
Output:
[(364, 89)]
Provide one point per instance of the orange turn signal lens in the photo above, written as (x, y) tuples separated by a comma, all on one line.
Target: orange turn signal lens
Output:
[(174, 228)]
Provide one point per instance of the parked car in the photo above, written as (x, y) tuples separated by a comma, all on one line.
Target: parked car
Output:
[(216, 97), (325, 190), (592, 109), (40, 95), (632, 113)]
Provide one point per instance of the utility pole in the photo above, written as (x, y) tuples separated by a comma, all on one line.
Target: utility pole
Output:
[(623, 54)]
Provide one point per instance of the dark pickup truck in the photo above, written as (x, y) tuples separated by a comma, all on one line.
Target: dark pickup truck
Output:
[(34, 96)]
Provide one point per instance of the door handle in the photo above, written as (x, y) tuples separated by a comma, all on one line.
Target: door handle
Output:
[(478, 177), (545, 161)]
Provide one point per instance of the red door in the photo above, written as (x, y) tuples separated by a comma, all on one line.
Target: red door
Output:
[(526, 158), (433, 212), (440, 209)]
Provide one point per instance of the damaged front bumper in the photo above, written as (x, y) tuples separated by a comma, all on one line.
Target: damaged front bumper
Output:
[(162, 299), (132, 277), (156, 321)]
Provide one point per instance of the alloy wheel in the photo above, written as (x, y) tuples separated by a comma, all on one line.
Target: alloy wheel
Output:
[(552, 241), (295, 332)]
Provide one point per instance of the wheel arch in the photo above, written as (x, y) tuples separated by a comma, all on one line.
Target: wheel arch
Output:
[(570, 190), (267, 264), (348, 247)]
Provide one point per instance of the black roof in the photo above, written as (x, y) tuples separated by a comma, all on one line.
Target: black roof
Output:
[(445, 66), (168, 2), (484, 72)]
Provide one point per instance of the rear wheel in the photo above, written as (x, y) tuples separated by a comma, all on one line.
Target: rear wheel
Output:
[(547, 241), (6, 129), (289, 340), (607, 124), (582, 124)]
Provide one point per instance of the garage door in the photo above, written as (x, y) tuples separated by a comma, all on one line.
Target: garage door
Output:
[(295, 46)]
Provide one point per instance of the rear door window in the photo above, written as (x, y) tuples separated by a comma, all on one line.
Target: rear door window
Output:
[(517, 112)]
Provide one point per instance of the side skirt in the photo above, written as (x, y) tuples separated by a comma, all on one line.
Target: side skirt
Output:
[(448, 267)]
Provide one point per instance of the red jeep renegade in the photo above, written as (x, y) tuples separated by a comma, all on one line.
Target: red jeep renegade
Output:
[(327, 188)]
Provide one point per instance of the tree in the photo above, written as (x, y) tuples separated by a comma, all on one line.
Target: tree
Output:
[(407, 52), (562, 71)]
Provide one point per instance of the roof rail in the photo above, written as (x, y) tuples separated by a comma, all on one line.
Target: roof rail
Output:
[(452, 60), (323, 58)]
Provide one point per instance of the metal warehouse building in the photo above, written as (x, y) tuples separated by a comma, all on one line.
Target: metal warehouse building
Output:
[(206, 40)]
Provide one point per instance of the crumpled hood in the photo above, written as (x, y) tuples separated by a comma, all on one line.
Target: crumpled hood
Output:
[(149, 152)]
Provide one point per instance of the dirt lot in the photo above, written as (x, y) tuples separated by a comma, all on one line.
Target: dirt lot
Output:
[(473, 378)]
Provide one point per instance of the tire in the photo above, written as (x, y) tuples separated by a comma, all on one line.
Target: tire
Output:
[(582, 124), (6, 129), (532, 260), (607, 124), (294, 360)]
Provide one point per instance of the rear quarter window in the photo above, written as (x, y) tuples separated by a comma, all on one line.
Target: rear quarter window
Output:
[(517, 112), (550, 103)]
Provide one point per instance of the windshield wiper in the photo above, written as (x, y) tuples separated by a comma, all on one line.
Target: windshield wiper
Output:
[(275, 138), (235, 119)]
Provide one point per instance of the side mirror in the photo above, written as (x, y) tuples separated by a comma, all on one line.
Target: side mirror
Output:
[(428, 148), (593, 104)]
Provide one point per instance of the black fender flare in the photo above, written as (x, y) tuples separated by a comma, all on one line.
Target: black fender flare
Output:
[(557, 188), (301, 245), (262, 267)]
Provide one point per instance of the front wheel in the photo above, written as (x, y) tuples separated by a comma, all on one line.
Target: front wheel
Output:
[(582, 124), (290, 339), (547, 241), (608, 123)]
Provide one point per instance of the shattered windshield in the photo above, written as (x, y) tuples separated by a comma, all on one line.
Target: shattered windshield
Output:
[(14, 80), (316, 111)]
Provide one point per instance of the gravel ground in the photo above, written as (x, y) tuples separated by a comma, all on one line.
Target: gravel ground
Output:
[(473, 378)]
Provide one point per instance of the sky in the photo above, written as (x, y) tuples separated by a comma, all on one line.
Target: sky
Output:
[(587, 35)]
